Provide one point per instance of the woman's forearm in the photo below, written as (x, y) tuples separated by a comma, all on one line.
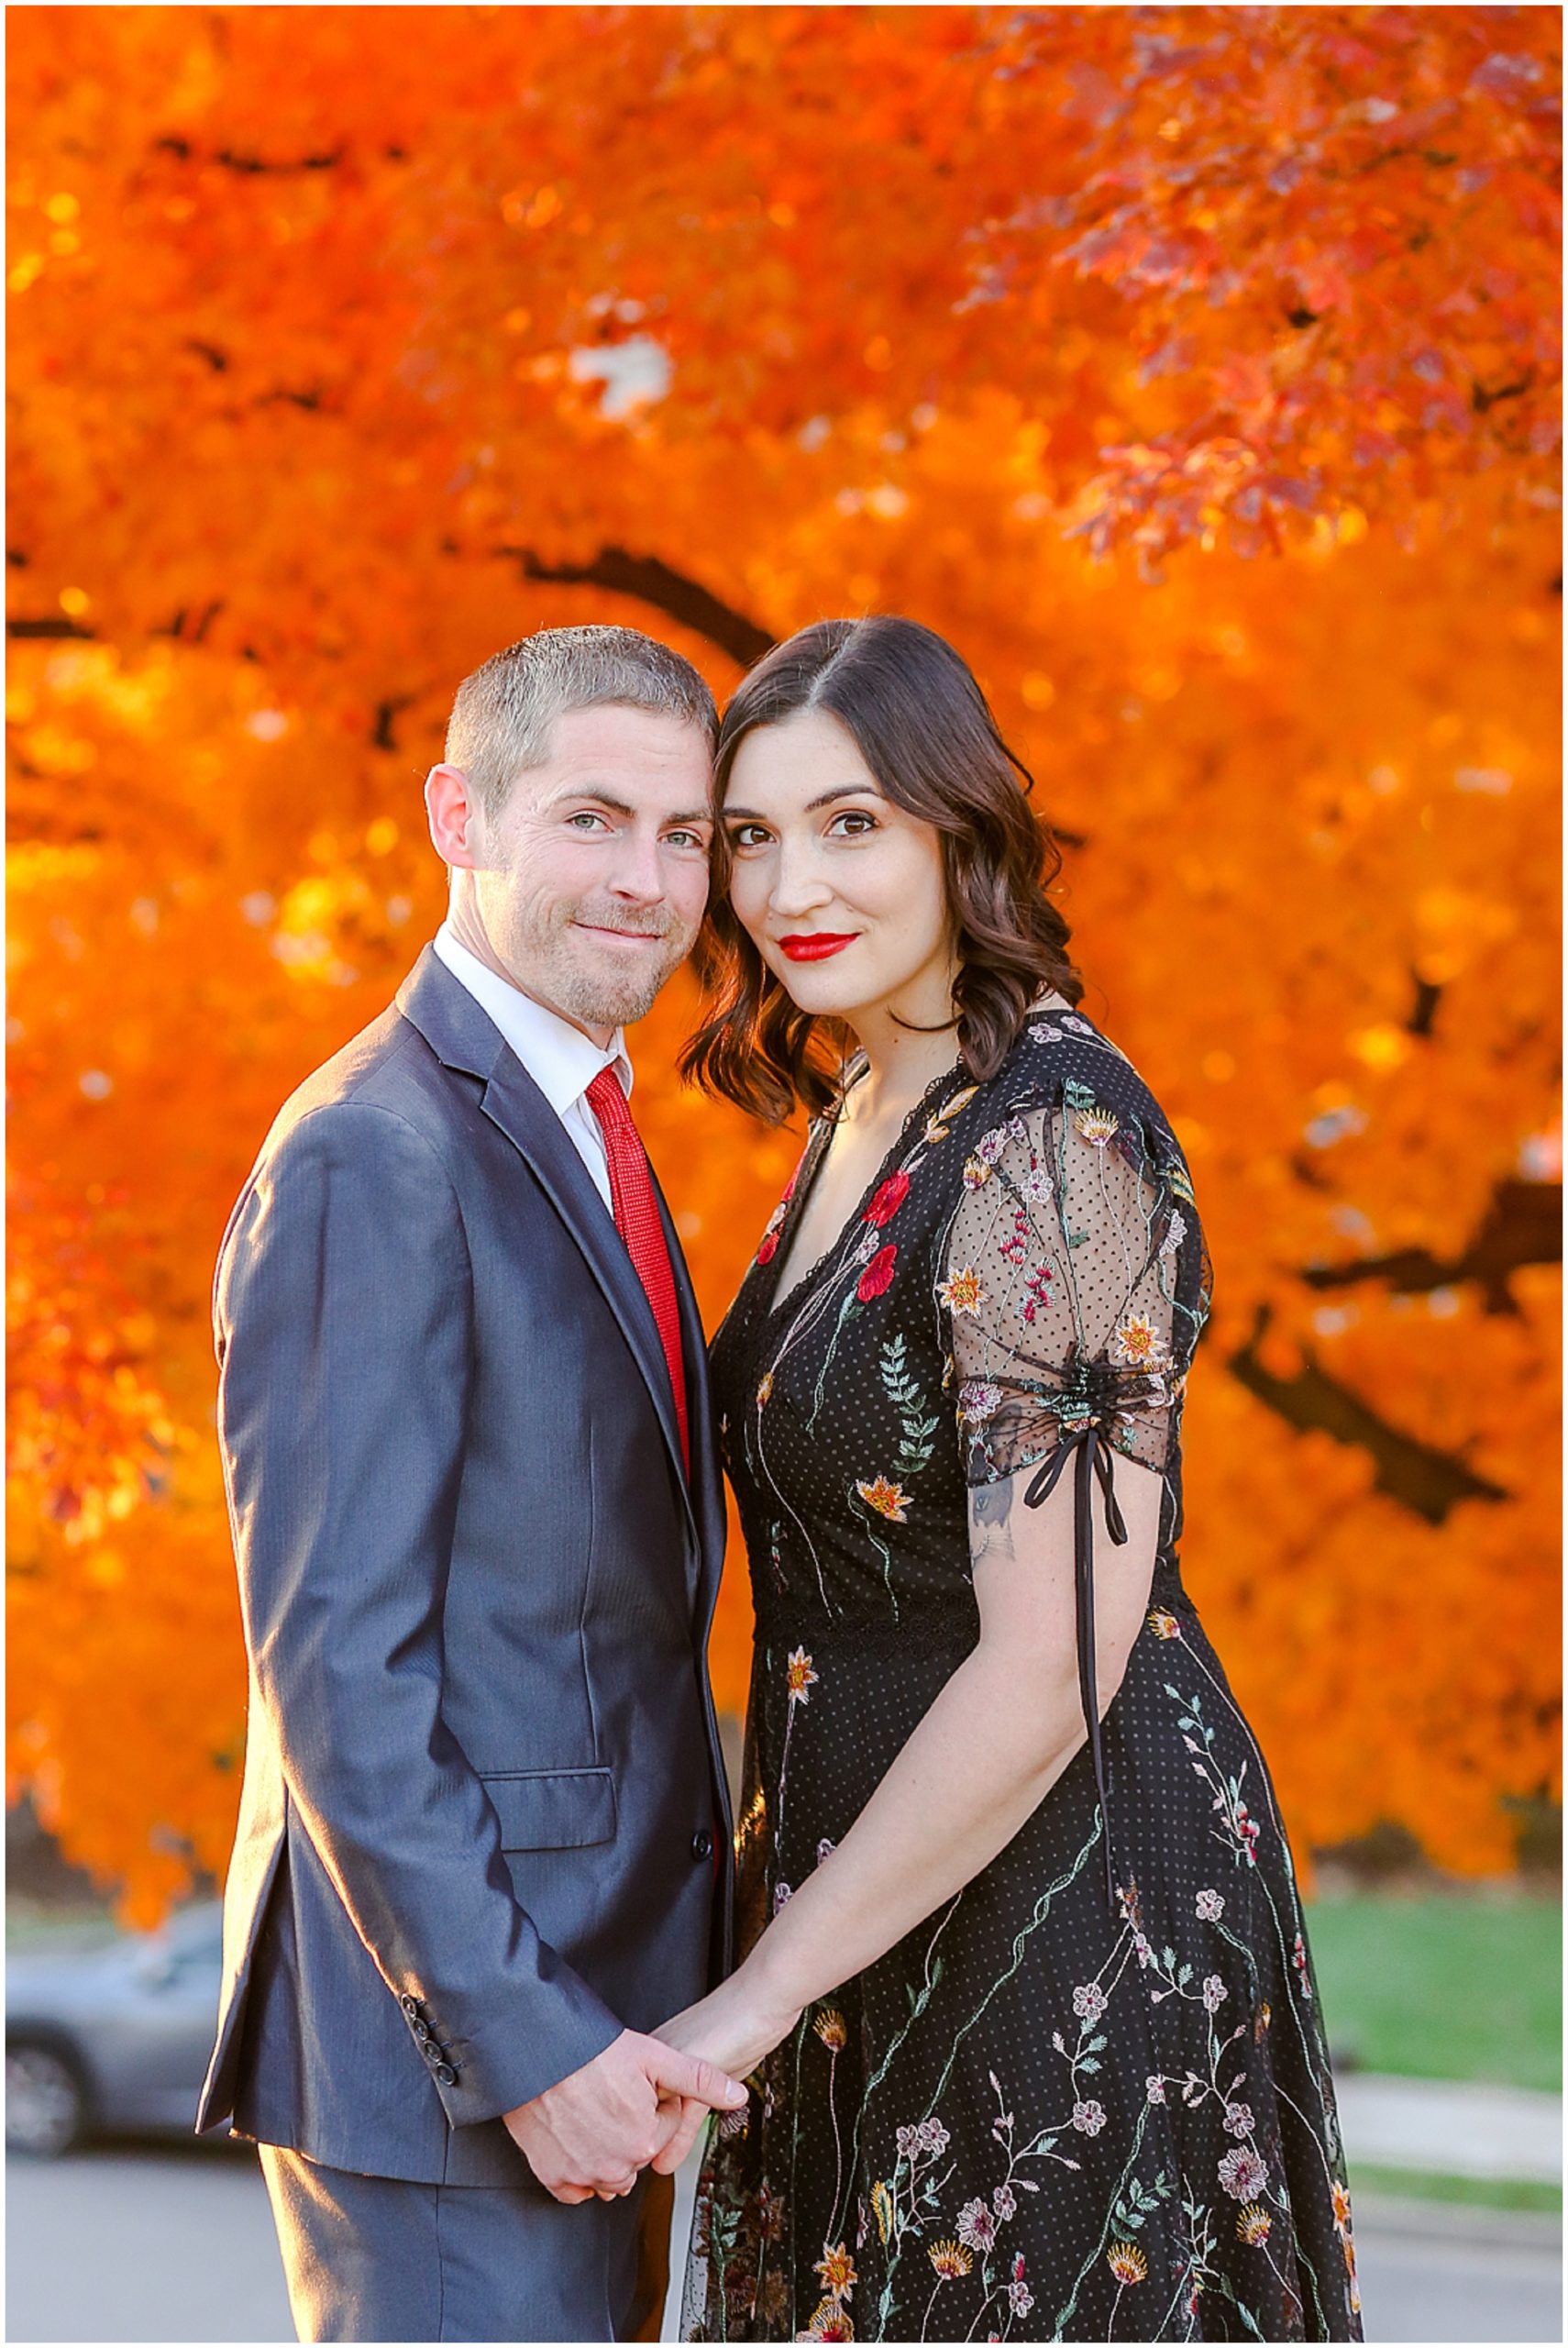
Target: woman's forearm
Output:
[(982, 1759)]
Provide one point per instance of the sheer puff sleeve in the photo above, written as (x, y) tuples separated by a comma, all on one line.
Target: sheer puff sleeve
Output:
[(1062, 1282)]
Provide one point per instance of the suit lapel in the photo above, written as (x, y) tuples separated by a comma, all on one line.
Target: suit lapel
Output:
[(462, 1037), (707, 1479)]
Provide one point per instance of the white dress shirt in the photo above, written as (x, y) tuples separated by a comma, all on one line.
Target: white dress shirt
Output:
[(562, 1060)]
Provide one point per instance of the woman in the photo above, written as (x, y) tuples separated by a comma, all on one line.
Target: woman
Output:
[(1027, 2004)]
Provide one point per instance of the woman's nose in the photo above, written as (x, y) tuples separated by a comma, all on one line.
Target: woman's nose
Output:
[(798, 884)]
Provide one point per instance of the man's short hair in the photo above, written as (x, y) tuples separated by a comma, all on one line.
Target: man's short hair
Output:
[(504, 714)]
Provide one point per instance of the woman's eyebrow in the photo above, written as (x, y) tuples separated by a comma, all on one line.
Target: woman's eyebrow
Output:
[(734, 815)]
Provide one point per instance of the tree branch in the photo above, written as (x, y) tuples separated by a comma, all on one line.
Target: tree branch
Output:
[(1431, 1482), (1522, 1225), (651, 582)]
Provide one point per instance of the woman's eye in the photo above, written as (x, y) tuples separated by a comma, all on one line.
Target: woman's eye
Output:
[(748, 835), (853, 825)]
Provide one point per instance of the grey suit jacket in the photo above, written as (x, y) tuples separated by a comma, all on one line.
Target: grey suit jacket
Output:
[(484, 1822)]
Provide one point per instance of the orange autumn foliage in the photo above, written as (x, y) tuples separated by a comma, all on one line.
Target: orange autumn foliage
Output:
[(1194, 370)]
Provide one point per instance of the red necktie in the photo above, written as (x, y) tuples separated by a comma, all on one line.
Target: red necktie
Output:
[(637, 1221)]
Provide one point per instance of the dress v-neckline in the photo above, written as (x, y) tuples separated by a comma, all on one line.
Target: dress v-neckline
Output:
[(810, 1165), (805, 1182)]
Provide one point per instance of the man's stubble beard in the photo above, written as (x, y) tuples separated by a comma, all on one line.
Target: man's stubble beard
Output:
[(605, 998)]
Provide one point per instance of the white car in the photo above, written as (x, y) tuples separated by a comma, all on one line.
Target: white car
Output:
[(111, 2038)]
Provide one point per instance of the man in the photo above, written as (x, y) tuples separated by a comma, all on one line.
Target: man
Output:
[(483, 1838)]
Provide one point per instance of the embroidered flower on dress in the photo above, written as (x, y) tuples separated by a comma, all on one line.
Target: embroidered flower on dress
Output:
[(878, 1276), (976, 1173), (1137, 1342), (978, 1400), (1089, 2003), (1164, 1625), (1211, 1906), (950, 2260), (889, 1198), (1340, 2201), (908, 2141), (932, 2135), (836, 2269), (1298, 1958), (1127, 2261), (1079, 1027), (1004, 2201), (1253, 2224), (1021, 2299), (1097, 1126), (831, 2321), (1037, 1185), (1088, 2118), (782, 1895), (976, 2226), (1265, 2016), (1243, 2174), (882, 2210), (767, 1247), (1214, 1993), (800, 1677), (889, 1500), (831, 2029), (1238, 2120), (1155, 2088), (1175, 1232), (764, 1389), (962, 1292)]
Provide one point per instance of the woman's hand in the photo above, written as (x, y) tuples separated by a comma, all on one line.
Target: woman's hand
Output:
[(735, 2017)]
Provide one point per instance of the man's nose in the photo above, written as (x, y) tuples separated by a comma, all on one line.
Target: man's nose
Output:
[(640, 875)]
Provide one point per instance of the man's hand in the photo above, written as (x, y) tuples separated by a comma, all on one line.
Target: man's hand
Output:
[(595, 2131), (733, 2027)]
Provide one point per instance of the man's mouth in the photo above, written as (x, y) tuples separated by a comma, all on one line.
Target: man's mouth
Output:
[(815, 945)]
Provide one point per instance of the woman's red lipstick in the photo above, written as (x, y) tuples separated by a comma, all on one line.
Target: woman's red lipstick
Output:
[(816, 946)]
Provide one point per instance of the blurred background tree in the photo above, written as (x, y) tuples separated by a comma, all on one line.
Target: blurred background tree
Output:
[(1194, 370)]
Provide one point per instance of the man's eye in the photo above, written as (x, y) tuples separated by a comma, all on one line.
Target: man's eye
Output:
[(687, 839), (585, 820)]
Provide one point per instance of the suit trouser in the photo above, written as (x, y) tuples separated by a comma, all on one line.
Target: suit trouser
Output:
[(379, 2259)]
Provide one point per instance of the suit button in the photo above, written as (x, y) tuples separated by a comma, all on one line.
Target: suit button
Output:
[(420, 2027), (409, 2005), (701, 1845), (446, 2073)]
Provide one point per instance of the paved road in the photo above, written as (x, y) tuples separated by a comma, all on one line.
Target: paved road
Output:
[(131, 2244)]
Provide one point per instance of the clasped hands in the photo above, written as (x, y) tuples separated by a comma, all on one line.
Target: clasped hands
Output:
[(640, 2104)]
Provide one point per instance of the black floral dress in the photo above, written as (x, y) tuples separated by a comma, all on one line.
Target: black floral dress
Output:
[(1089, 2097)]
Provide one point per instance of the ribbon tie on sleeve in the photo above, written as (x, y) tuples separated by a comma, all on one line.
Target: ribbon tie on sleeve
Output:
[(1094, 1457)]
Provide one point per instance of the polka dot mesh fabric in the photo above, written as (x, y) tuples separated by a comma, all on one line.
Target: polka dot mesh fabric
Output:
[(1056, 2109)]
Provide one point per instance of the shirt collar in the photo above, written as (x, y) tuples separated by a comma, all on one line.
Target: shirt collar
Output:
[(562, 1060)]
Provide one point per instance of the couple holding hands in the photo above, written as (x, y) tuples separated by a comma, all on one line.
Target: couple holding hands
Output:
[(995, 1991)]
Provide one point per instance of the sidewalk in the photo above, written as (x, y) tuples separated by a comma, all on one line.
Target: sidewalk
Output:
[(1451, 2127)]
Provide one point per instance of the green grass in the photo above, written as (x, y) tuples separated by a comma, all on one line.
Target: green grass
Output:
[(1476, 2192), (1444, 1985)]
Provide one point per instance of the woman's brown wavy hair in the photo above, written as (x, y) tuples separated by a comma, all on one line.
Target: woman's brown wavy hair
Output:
[(924, 728)]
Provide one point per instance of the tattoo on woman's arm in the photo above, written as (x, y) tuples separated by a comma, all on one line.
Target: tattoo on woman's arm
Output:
[(990, 1506)]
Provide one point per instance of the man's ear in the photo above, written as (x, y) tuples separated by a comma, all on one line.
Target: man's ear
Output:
[(454, 814)]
